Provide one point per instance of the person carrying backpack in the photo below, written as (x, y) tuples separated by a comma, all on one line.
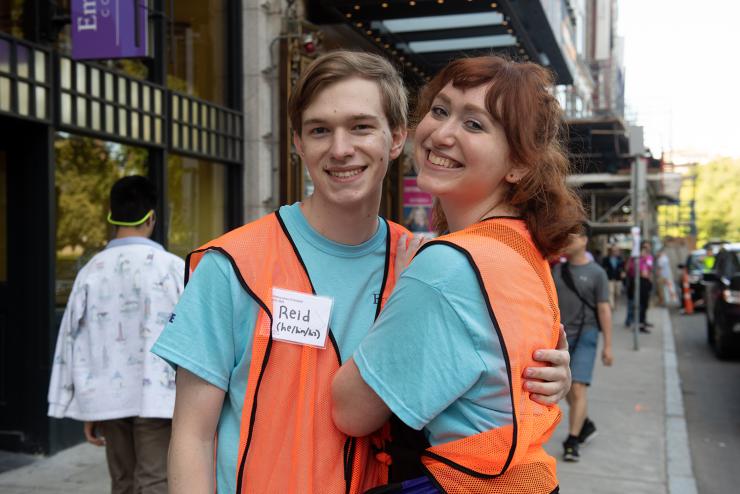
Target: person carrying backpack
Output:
[(583, 297)]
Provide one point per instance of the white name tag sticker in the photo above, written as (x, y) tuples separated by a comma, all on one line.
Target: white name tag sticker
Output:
[(300, 318)]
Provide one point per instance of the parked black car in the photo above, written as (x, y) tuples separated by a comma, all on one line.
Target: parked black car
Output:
[(723, 302), (695, 269)]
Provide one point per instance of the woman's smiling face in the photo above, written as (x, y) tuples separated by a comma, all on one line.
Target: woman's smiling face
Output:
[(461, 152)]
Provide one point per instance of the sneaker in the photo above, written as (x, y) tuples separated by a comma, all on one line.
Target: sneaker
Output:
[(588, 432), (644, 329), (570, 450)]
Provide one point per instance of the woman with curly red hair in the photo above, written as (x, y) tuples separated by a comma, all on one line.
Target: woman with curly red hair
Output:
[(448, 352)]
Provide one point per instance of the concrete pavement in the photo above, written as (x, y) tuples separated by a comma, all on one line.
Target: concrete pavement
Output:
[(78, 470), (642, 445)]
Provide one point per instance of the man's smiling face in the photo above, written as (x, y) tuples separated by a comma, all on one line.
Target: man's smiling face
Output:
[(346, 142)]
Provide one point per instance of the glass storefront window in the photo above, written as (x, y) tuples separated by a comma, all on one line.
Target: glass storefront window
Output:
[(196, 192), (3, 218), (197, 48), (11, 17), (86, 169)]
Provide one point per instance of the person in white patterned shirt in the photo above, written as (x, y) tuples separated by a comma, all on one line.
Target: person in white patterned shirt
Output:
[(103, 373)]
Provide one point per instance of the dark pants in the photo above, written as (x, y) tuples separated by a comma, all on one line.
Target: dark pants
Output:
[(646, 286), (136, 449)]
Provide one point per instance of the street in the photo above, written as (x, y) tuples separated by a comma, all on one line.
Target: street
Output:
[(711, 393)]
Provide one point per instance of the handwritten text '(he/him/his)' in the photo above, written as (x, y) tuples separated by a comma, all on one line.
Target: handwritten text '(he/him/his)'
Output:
[(295, 315)]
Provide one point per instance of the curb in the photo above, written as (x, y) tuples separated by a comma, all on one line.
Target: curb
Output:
[(678, 455)]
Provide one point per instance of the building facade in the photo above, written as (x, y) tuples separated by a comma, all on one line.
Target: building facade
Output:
[(68, 129)]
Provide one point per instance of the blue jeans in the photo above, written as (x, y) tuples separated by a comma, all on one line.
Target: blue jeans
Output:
[(630, 312)]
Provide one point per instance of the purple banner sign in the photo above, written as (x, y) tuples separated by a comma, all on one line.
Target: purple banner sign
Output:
[(109, 29)]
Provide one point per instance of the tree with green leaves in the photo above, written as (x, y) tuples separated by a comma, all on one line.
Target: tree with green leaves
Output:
[(718, 200)]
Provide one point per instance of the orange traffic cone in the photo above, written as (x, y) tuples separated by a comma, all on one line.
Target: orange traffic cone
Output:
[(688, 304)]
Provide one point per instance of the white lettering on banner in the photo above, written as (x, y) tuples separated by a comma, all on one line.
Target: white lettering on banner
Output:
[(87, 23), (300, 318)]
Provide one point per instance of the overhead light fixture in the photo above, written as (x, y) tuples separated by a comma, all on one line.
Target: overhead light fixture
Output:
[(431, 23), (497, 41)]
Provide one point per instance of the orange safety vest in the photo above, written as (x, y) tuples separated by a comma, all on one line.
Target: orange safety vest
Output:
[(288, 442), (516, 282)]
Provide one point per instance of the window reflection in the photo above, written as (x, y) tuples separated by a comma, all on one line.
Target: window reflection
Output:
[(86, 169), (197, 48), (196, 191), (11, 17)]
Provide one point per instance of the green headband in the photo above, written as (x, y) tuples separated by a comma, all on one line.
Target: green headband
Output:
[(129, 223)]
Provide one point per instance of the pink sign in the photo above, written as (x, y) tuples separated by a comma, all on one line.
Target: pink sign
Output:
[(417, 207)]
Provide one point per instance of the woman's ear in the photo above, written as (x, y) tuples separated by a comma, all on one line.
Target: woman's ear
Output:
[(515, 174)]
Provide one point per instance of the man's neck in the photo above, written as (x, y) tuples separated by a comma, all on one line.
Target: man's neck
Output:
[(127, 232), (579, 258), (351, 225)]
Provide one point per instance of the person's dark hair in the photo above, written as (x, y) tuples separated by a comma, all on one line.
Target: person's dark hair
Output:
[(520, 99), (586, 230), (131, 198)]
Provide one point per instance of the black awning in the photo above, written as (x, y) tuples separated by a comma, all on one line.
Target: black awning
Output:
[(424, 35)]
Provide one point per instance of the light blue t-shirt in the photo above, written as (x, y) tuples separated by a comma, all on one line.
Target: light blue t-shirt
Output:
[(211, 332), (433, 355)]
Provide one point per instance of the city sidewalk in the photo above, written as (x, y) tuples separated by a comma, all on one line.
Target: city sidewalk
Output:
[(642, 443), (642, 446)]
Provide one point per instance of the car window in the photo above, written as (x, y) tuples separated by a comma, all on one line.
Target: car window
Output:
[(726, 264), (735, 262), (696, 262)]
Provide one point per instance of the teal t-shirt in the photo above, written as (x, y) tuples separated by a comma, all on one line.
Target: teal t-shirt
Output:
[(433, 355), (211, 332)]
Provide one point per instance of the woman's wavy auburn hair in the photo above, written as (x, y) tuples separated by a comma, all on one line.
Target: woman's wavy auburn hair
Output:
[(521, 101)]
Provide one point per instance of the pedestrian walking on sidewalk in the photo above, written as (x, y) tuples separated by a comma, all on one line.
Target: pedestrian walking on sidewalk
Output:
[(583, 297), (666, 283), (613, 264), (646, 264), (323, 266), (103, 373)]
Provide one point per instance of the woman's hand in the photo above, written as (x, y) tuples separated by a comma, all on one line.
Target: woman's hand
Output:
[(548, 385), (405, 250)]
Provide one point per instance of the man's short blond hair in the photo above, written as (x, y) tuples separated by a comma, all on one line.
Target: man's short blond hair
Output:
[(339, 65)]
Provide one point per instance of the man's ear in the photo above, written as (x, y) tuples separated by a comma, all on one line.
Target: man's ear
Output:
[(298, 143), (398, 139)]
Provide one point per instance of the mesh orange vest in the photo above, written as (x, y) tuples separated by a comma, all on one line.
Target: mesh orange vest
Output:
[(522, 302), (288, 442)]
